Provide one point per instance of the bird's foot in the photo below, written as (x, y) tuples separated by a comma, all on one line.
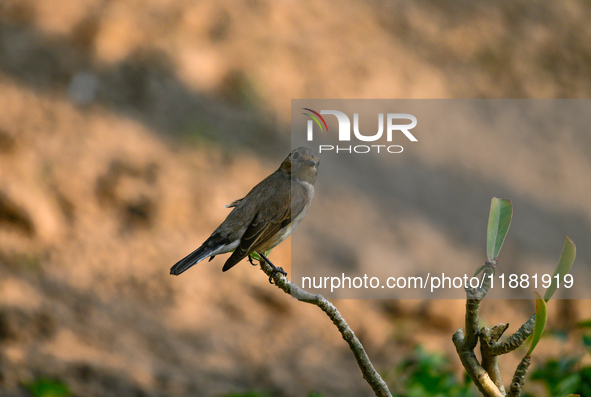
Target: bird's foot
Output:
[(275, 268), (251, 262)]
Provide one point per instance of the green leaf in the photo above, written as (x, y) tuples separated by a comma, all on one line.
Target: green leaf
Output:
[(499, 221), (565, 263), (44, 387), (541, 317), (477, 272)]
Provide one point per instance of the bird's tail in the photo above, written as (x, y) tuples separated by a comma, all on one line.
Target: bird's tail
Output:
[(193, 258)]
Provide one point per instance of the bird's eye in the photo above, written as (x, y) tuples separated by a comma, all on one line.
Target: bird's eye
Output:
[(296, 155)]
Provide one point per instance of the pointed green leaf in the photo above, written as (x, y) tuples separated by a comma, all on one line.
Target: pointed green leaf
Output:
[(499, 221), (477, 272), (565, 263), (541, 317)]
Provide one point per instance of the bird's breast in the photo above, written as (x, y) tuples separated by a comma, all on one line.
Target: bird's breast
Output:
[(285, 231), (296, 220)]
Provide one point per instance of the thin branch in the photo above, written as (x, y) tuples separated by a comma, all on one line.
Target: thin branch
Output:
[(477, 373), (489, 338), (515, 340), (369, 373), (519, 377), (491, 349), (465, 344), (486, 375), (519, 337)]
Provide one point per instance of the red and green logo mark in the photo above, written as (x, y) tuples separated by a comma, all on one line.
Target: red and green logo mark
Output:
[(315, 117)]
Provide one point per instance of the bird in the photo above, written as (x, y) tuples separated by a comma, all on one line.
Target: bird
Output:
[(263, 218)]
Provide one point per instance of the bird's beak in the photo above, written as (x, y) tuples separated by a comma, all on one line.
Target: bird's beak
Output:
[(311, 163)]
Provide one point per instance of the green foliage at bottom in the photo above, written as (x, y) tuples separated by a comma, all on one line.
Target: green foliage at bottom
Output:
[(44, 387), (427, 374), (247, 394), (261, 394), (564, 376)]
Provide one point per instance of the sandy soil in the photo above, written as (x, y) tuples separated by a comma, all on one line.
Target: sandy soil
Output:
[(125, 126)]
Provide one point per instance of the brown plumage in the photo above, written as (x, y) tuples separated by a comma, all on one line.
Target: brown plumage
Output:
[(265, 217)]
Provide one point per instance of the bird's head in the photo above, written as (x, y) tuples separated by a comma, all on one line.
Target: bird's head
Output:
[(302, 163)]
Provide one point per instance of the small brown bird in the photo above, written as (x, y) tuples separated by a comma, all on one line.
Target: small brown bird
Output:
[(265, 217)]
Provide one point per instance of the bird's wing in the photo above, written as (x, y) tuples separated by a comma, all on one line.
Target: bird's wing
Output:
[(259, 231), (265, 225)]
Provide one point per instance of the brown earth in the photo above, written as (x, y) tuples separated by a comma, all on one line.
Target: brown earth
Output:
[(125, 126)]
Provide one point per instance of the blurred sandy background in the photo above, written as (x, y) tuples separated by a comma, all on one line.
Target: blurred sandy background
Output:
[(125, 126)]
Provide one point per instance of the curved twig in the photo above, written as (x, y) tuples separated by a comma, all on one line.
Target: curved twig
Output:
[(367, 369), (519, 377)]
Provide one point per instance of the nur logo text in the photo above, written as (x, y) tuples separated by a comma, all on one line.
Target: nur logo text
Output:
[(393, 125)]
